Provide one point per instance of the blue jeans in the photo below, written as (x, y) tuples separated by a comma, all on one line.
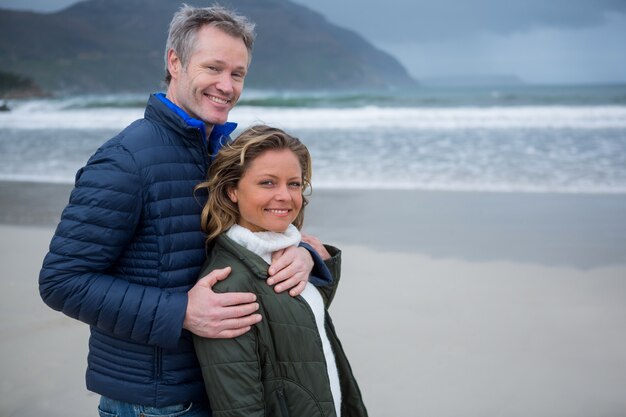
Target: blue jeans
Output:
[(113, 408)]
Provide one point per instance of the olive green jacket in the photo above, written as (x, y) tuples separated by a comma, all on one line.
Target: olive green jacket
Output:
[(278, 368)]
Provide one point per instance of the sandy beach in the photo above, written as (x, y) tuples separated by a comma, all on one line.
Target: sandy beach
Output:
[(451, 303)]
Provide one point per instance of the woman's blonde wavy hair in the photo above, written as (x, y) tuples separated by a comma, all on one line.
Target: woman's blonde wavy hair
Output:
[(231, 163)]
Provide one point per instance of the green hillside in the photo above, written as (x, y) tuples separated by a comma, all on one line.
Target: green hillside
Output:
[(117, 45)]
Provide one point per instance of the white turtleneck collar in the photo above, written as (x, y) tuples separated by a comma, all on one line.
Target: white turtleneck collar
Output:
[(264, 243)]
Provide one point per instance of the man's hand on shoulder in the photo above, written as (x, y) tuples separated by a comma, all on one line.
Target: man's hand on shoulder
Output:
[(316, 244), (290, 270), (219, 316)]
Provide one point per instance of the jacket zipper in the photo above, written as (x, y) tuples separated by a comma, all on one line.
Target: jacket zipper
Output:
[(319, 336), (282, 402), (310, 310)]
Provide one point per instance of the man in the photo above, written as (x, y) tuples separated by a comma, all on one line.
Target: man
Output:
[(126, 254)]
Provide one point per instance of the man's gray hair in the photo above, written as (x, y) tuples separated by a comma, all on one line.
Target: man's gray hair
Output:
[(189, 20)]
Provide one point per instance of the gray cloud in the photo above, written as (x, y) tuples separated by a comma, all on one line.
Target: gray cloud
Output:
[(36, 5), (546, 55), (560, 41), (544, 41), (419, 20), (427, 20)]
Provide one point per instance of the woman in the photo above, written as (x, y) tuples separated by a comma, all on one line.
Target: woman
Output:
[(291, 363)]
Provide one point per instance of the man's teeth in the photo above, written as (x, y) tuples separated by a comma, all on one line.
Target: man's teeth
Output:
[(218, 100)]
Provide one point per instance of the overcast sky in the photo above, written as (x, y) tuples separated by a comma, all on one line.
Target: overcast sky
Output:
[(541, 41)]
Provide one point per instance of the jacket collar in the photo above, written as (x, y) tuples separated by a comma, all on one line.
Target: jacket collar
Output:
[(254, 262), (162, 108)]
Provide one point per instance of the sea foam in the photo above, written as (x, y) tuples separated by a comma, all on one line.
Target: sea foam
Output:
[(32, 116), (523, 148)]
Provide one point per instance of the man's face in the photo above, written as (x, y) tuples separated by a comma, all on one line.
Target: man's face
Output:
[(211, 83)]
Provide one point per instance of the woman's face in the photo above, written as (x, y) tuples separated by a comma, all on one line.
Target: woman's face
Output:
[(269, 194)]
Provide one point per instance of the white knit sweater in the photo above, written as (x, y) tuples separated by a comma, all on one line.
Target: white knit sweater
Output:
[(266, 243)]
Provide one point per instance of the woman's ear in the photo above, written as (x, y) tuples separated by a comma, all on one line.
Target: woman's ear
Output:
[(232, 194)]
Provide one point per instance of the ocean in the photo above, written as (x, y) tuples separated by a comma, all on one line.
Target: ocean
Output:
[(563, 139)]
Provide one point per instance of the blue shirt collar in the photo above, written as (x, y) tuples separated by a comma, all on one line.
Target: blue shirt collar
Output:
[(219, 133)]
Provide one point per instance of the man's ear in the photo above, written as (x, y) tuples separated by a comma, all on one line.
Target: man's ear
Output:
[(232, 194), (174, 65)]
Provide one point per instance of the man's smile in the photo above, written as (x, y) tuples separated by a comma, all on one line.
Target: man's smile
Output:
[(217, 100)]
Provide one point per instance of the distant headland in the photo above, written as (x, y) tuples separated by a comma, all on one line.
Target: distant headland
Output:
[(117, 46)]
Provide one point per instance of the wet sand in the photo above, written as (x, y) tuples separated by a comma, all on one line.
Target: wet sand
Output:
[(472, 304)]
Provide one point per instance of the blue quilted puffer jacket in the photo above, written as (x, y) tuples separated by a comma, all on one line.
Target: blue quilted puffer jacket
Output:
[(127, 250)]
